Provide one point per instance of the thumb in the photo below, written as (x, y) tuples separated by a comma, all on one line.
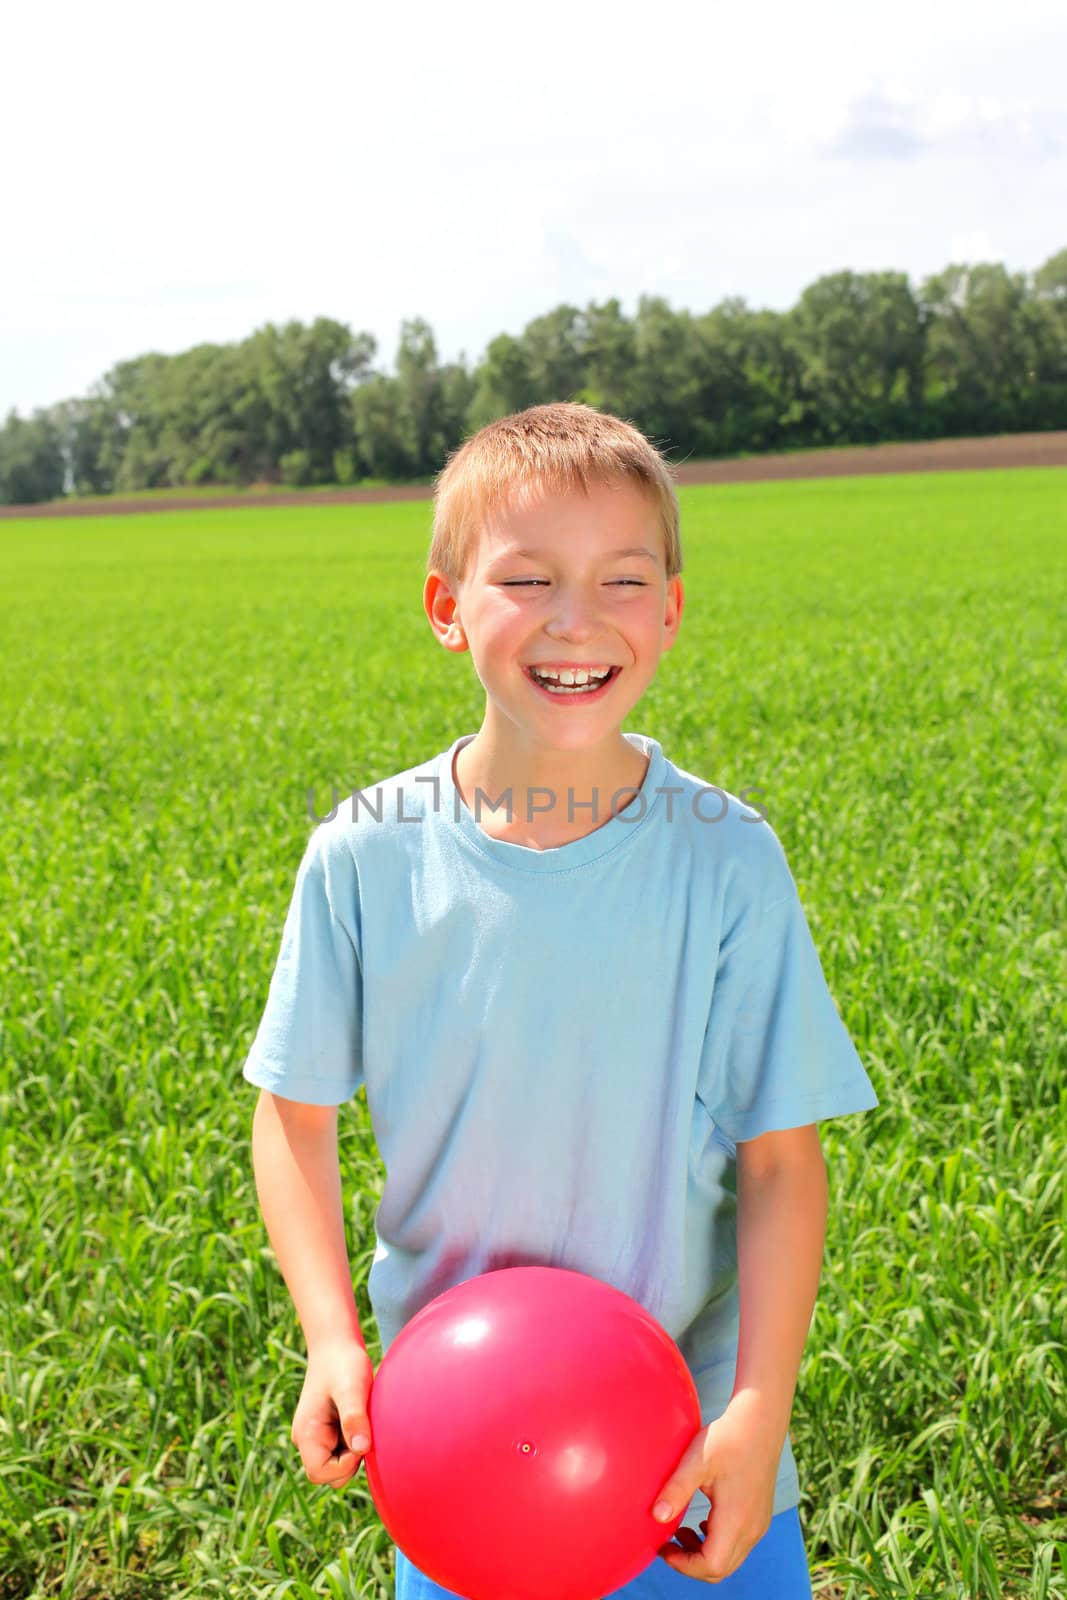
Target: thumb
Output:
[(683, 1482), (355, 1425)]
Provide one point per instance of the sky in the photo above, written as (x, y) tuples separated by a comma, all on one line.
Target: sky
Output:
[(175, 175)]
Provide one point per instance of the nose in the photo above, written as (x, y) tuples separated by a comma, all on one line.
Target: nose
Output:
[(574, 615)]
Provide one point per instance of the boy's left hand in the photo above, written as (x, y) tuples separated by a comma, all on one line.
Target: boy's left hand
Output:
[(735, 1462)]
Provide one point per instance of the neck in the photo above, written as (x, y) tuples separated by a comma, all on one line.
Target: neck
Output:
[(552, 790)]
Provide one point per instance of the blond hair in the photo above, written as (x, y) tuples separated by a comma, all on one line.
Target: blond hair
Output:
[(559, 448)]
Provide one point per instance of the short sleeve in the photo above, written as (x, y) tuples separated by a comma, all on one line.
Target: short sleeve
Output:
[(309, 1043), (776, 1053)]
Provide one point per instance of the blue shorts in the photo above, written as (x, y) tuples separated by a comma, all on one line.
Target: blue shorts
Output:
[(774, 1569)]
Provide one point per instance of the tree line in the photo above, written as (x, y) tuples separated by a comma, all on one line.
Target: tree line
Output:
[(860, 358)]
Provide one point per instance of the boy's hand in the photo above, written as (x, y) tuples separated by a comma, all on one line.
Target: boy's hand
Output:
[(330, 1426), (735, 1462)]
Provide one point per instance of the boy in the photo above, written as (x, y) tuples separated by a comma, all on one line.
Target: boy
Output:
[(579, 989)]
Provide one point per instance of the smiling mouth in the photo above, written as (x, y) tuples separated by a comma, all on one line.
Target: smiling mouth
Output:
[(562, 691)]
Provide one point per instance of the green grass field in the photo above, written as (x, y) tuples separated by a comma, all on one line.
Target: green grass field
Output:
[(883, 657)]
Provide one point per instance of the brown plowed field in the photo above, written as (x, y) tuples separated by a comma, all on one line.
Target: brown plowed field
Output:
[(937, 455)]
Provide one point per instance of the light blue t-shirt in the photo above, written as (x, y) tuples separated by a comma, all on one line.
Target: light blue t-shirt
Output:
[(560, 1048)]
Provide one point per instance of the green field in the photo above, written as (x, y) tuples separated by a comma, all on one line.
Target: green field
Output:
[(883, 657)]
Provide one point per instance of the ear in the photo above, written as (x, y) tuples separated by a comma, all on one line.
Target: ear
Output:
[(672, 611), (441, 607)]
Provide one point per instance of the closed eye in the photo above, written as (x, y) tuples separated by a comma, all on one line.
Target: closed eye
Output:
[(521, 583)]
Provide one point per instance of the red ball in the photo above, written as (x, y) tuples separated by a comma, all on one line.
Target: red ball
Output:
[(523, 1424)]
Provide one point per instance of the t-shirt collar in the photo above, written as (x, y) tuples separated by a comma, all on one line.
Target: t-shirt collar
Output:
[(616, 832)]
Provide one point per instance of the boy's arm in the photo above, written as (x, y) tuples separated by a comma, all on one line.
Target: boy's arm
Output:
[(781, 1227), (298, 1180)]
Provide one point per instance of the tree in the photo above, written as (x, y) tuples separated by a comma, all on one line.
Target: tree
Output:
[(31, 460), (859, 339), (726, 402), (305, 376), (457, 395), (554, 345), (774, 402), (1046, 316), (980, 349), (503, 384), (1050, 280), (89, 442), (861, 356), (386, 440), (422, 396), (665, 377), (132, 391), (610, 345)]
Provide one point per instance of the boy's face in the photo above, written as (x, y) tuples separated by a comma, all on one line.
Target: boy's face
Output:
[(559, 581)]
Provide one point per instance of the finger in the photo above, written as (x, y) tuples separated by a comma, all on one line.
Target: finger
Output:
[(688, 1543), (330, 1469), (690, 1563), (355, 1426), (712, 1560), (325, 1453), (351, 1402), (317, 1440), (314, 1436), (688, 1538), (336, 1472), (683, 1483)]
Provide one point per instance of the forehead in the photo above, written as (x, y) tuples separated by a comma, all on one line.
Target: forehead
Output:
[(610, 518)]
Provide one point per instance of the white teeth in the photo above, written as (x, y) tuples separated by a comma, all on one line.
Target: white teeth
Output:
[(570, 681), (566, 675)]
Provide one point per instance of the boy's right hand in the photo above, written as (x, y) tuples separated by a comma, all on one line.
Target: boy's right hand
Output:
[(330, 1425)]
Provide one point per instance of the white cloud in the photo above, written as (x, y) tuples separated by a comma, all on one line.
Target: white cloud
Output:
[(884, 127)]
